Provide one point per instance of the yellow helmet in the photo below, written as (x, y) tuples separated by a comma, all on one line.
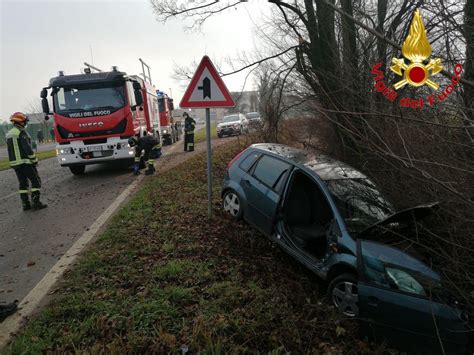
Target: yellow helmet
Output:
[(19, 118)]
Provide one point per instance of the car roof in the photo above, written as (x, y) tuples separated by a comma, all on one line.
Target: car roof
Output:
[(326, 167)]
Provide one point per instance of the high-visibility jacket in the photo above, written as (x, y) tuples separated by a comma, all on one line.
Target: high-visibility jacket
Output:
[(19, 148)]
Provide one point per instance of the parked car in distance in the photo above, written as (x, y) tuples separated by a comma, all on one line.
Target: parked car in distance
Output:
[(254, 121), (334, 220), (232, 125)]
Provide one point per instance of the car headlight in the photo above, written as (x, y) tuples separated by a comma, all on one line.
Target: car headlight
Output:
[(165, 131), (236, 125), (64, 151)]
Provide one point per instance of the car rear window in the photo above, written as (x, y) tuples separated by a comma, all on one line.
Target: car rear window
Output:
[(249, 160), (270, 170)]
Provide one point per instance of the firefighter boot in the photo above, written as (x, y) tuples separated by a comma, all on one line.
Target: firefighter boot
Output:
[(37, 204), (150, 170), (136, 169), (7, 309), (25, 202)]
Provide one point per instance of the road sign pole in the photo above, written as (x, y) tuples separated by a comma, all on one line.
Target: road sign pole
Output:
[(209, 163), (207, 90)]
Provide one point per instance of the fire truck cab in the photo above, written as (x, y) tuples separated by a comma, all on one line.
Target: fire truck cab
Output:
[(96, 113)]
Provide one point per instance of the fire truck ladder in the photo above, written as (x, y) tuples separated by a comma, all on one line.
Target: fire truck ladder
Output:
[(146, 77)]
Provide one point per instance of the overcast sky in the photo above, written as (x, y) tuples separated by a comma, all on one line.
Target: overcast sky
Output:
[(39, 38)]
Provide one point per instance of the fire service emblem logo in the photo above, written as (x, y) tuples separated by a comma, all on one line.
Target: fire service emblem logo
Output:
[(416, 50)]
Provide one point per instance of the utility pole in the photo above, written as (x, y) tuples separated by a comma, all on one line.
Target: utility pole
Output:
[(92, 57)]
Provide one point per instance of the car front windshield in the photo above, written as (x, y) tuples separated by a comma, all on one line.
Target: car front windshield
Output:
[(359, 202), (89, 98), (232, 118)]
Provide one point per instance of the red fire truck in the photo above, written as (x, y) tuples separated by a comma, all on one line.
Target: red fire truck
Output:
[(96, 113), (169, 131)]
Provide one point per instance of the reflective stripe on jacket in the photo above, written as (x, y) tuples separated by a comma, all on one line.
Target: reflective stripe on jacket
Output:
[(19, 148)]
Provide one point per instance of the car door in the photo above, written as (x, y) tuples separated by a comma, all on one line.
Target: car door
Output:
[(262, 187), (399, 302)]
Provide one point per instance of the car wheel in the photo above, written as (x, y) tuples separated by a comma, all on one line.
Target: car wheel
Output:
[(219, 136), (343, 294), (232, 204)]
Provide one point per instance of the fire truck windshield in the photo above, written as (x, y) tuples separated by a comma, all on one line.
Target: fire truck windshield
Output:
[(88, 98)]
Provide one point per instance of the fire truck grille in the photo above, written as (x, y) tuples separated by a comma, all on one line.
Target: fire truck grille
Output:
[(118, 129)]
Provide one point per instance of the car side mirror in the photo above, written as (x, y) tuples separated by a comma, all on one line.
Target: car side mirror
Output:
[(44, 93), (45, 105)]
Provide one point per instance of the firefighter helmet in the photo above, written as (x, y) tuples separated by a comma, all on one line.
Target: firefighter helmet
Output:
[(132, 141), (19, 118)]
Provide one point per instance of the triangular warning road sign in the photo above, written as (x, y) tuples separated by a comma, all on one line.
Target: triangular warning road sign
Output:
[(206, 88)]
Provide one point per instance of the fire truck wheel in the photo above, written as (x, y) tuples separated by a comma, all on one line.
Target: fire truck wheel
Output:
[(77, 169)]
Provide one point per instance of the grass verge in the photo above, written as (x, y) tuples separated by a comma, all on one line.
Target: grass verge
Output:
[(162, 278), (200, 135), (5, 164)]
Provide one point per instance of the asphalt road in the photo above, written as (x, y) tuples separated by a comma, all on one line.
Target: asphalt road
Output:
[(32, 242), (41, 148)]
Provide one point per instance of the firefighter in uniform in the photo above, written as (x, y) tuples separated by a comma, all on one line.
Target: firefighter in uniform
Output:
[(189, 125), (152, 150), (23, 160)]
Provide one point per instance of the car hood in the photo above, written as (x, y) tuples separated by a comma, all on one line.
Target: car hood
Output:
[(416, 213), (225, 124)]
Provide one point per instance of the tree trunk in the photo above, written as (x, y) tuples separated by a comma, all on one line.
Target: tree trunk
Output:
[(329, 54), (469, 65), (350, 58), (381, 44)]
